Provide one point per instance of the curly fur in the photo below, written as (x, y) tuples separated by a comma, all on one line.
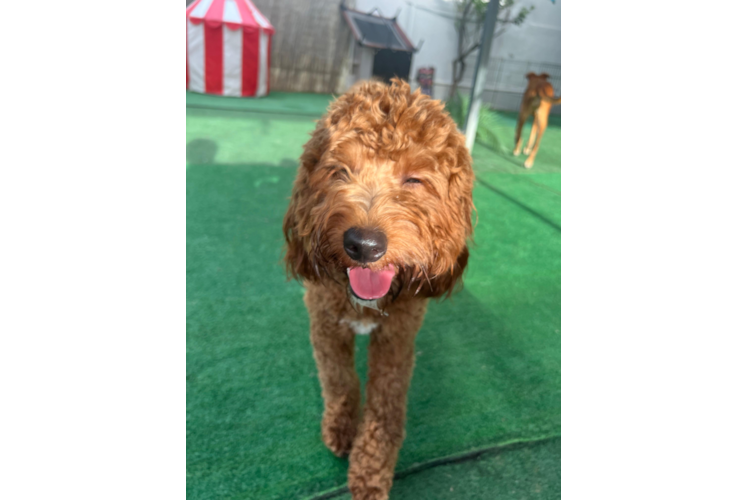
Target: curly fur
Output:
[(357, 170)]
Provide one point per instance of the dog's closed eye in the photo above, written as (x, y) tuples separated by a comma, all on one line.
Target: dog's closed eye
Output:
[(420, 186), (340, 174)]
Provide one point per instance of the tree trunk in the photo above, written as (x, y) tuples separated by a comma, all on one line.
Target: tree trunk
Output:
[(460, 56), (456, 75)]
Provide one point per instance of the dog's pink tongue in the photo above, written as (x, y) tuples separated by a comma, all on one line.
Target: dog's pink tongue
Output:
[(368, 284)]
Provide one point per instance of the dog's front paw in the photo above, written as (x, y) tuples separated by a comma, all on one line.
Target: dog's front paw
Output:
[(339, 430), (368, 484), (372, 463), (367, 492), (528, 164), (526, 151)]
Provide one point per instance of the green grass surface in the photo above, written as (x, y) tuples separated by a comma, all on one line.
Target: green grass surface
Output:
[(531, 472), (488, 360)]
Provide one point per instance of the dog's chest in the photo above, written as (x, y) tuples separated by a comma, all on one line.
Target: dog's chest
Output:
[(360, 327)]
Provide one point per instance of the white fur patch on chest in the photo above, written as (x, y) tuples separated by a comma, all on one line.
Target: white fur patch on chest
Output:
[(360, 327)]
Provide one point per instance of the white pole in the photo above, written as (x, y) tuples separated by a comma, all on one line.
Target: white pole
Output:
[(479, 79)]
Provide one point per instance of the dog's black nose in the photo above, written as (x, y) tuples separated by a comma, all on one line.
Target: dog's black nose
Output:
[(365, 245)]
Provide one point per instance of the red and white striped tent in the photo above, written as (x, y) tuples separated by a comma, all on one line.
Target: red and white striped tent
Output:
[(228, 48)]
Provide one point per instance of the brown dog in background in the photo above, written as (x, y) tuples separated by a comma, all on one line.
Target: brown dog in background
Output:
[(537, 101)]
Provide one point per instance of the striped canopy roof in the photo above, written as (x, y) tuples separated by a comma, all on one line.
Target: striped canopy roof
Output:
[(233, 13)]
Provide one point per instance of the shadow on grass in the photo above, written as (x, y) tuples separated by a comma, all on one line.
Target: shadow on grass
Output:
[(201, 152)]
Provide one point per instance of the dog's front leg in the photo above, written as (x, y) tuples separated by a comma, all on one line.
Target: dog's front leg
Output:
[(391, 360), (523, 115), (333, 346)]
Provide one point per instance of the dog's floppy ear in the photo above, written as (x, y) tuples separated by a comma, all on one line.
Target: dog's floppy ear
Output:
[(460, 201), (298, 264), (544, 75), (296, 221), (530, 75), (461, 191), (447, 282)]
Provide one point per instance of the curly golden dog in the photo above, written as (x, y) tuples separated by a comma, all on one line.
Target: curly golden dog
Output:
[(536, 101), (379, 217)]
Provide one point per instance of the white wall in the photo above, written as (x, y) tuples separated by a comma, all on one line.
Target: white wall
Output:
[(361, 60), (539, 37), (537, 41)]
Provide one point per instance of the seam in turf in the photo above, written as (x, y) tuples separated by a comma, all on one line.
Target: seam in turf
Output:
[(448, 460), (519, 204)]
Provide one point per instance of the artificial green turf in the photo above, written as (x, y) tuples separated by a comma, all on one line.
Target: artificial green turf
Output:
[(488, 360), (529, 471), (284, 103)]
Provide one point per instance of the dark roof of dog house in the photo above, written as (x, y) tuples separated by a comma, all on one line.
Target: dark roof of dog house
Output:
[(375, 31)]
